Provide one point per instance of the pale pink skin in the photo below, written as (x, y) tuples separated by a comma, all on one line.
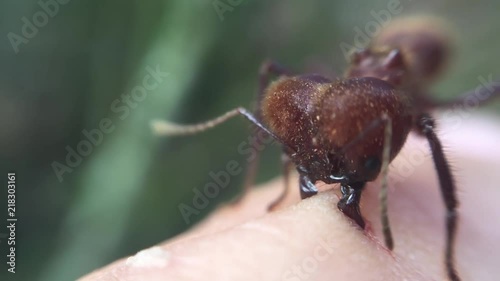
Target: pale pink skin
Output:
[(244, 242)]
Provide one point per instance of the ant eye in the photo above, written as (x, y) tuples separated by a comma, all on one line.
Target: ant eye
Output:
[(372, 164)]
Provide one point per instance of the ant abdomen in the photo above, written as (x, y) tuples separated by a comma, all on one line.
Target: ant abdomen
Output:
[(316, 117), (424, 42)]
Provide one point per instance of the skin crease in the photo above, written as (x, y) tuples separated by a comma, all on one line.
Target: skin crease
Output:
[(312, 237)]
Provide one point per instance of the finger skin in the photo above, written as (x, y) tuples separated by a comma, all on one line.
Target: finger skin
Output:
[(312, 240)]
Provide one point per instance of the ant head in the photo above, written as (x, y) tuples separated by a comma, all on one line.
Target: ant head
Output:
[(346, 140), (385, 64), (424, 42)]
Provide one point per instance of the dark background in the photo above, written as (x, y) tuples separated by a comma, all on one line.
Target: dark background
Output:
[(125, 195)]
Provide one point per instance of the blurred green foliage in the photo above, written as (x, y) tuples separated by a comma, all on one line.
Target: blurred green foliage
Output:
[(125, 194)]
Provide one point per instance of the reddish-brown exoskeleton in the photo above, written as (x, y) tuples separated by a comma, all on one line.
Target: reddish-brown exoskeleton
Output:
[(347, 131)]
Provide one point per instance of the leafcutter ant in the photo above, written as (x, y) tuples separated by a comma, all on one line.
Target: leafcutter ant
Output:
[(348, 130)]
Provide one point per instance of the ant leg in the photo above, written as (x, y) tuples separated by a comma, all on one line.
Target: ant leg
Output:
[(250, 173), (349, 203), (480, 96), (287, 167), (426, 126), (266, 70)]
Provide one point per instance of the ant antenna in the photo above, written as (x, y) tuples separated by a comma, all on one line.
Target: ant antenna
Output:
[(166, 128)]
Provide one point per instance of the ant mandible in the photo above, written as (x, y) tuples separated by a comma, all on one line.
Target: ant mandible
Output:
[(347, 131)]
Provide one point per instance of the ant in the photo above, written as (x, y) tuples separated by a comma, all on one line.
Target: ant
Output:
[(347, 131)]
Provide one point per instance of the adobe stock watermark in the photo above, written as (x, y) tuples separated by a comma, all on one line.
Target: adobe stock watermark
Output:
[(363, 36), (31, 26), (454, 116), (221, 179), (408, 161), (452, 119), (223, 6), (122, 107), (309, 265)]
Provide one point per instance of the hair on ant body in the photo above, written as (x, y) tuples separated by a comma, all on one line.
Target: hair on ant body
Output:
[(348, 130)]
